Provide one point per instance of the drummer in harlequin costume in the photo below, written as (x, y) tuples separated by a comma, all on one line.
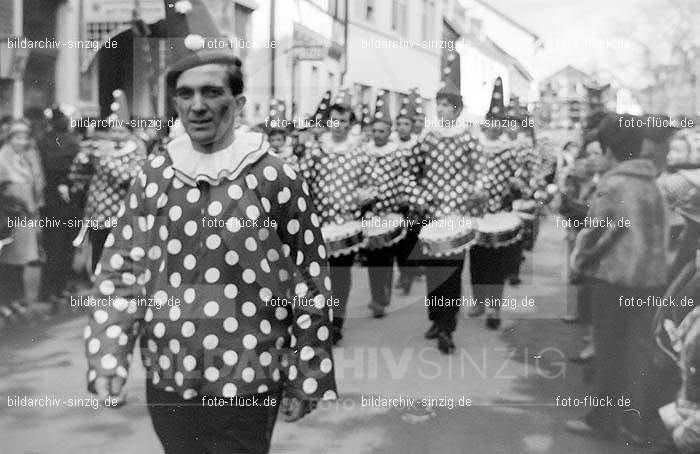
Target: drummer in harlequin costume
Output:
[(444, 182), (216, 238), (388, 176), (336, 171), (278, 132), (490, 262), (406, 251)]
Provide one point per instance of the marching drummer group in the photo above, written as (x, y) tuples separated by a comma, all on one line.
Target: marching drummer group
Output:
[(374, 188)]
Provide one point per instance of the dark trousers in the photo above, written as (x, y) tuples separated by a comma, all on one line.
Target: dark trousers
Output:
[(11, 283), (380, 268), (488, 268), (623, 362), (97, 241), (408, 254), (187, 426), (341, 278), (57, 269), (514, 254), (444, 279)]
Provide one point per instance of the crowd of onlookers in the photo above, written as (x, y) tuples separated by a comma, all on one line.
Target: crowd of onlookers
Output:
[(625, 278)]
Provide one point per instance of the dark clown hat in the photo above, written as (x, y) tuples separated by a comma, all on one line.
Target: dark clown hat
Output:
[(450, 76), (497, 108), (416, 101), (323, 110), (407, 109), (381, 107), (365, 117), (277, 116), (193, 38)]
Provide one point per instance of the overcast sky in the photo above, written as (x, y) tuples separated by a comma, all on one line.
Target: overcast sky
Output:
[(577, 32)]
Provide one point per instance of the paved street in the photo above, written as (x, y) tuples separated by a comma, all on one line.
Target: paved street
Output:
[(512, 378)]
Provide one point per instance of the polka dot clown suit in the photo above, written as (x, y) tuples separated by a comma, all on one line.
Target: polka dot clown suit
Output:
[(222, 274)]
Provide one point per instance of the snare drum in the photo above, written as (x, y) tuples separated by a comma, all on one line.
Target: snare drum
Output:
[(447, 236), (342, 239), (499, 230), (383, 231)]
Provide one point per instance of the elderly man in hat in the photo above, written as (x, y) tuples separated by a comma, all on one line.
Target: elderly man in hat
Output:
[(218, 263)]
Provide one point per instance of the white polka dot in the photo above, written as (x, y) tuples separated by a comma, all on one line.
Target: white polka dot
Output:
[(163, 232), (175, 213), (289, 171), (151, 190), (283, 196), (306, 353), (187, 329), (211, 308), (230, 357), (292, 372), (265, 204), (230, 291), (273, 255), (286, 250), (189, 262), (113, 331), (175, 280), (265, 294), (133, 201), (319, 301), (193, 195), (110, 241), (159, 330), (301, 289), (265, 266), (127, 232), (265, 327), (249, 341), (301, 203), (93, 346), (308, 236), (164, 362), (154, 252), (329, 395), (162, 201), (252, 212), (235, 192), (212, 275), (230, 324), (263, 234), (233, 225), (148, 316), (229, 390), (157, 161), (190, 228), (174, 346), (310, 385), (215, 208), (231, 258), (270, 173), (152, 346), (189, 393), (87, 332), (248, 309), (304, 321), (100, 316), (251, 181), (156, 377), (322, 333), (276, 375), (248, 276), (174, 313), (213, 241), (281, 313), (107, 287), (251, 244), (137, 253), (284, 275), (189, 362), (211, 374), (265, 359), (189, 295), (300, 258), (248, 374), (174, 247), (210, 342), (322, 251), (293, 226), (116, 261), (108, 362), (314, 269), (179, 378)]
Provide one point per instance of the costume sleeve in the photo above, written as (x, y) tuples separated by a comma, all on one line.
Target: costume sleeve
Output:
[(120, 276), (593, 242), (310, 373), (415, 192)]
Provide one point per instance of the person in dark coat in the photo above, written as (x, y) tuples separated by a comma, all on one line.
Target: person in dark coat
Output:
[(57, 150)]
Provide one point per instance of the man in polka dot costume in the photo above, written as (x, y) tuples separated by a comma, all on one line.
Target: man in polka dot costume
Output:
[(218, 263), (446, 166), (337, 171)]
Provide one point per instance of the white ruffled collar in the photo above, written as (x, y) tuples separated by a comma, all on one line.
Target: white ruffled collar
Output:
[(191, 166)]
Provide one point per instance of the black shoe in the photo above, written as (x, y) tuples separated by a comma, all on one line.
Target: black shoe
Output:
[(432, 332), (493, 322), (445, 343)]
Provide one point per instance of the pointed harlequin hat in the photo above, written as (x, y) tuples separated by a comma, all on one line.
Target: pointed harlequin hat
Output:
[(407, 109), (323, 110), (381, 107), (277, 117), (190, 27), (450, 76), (343, 96), (365, 117), (497, 108), (119, 108), (417, 101), (514, 110)]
